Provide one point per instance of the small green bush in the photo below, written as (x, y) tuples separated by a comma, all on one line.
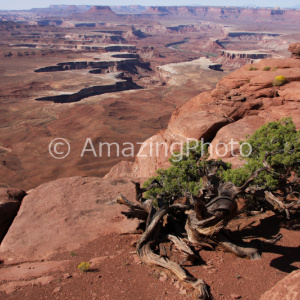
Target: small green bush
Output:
[(84, 267), (184, 177), (267, 68), (253, 68), (271, 137), (275, 68), (279, 80)]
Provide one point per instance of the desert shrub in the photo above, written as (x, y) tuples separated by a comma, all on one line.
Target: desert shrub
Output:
[(252, 68), (283, 141), (279, 80), (84, 267), (275, 68), (267, 68), (185, 176)]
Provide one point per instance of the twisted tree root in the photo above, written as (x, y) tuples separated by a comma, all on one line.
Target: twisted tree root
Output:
[(147, 243)]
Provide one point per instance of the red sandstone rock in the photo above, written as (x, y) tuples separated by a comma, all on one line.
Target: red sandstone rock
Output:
[(62, 215), (30, 270), (12, 286), (241, 102), (240, 15), (157, 10), (291, 92), (295, 49), (236, 132), (275, 113), (288, 288), (100, 10), (121, 169)]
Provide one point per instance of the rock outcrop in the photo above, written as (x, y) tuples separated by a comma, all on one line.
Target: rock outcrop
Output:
[(129, 9), (100, 10), (245, 54), (236, 131), (10, 201), (64, 214), (125, 83), (288, 288), (228, 14), (157, 10), (233, 60), (240, 104), (147, 53), (170, 72), (295, 49)]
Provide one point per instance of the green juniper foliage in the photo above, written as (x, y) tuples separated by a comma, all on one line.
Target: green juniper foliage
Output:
[(283, 141), (278, 138), (183, 177)]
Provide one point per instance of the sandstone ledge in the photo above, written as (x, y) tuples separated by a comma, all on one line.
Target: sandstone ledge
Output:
[(241, 102), (64, 214)]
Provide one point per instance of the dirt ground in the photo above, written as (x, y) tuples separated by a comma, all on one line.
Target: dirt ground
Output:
[(117, 273)]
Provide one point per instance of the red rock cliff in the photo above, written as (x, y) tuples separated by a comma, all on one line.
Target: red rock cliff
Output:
[(229, 13), (241, 102), (100, 10)]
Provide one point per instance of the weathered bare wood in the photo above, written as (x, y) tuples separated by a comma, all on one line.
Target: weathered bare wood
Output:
[(152, 212), (203, 223), (266, 243), (274, 201), (122, 200), (140, 191), (136, 210), (180, 244), (163, 250), (242, 251), (188, 253), (279, 205), (146, 254)]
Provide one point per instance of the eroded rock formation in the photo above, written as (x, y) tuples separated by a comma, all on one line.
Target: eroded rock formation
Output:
[(240, 104), (59, 216), (288, 288), (245, 55), (295, 49), (228, 14), (100, 10)]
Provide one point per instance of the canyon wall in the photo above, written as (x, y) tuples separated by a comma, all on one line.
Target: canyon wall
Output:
[(245, 54), (286, 17), (241, 102), (234, 14)]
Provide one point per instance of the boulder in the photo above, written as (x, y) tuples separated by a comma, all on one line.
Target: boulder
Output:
[(122, 169), (64, 214), (226, 143), (10, 201), (286, 289), (295, 49), (288, 109)]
